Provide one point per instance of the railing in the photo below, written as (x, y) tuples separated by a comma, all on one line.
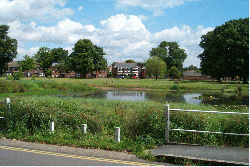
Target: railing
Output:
[(167, 121)]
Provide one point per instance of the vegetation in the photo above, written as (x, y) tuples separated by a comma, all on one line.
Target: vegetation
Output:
[(142, 123), (27, 64), (156, 67), (8, 48), (122, 84), (130, 61), (170, 53), (87, 58), (226, 50), (174, 72)]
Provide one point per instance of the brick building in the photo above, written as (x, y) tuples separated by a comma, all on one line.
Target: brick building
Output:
[(125, 69)]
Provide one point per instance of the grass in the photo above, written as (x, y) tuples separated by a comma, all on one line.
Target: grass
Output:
[(26, 84), (142, 122)]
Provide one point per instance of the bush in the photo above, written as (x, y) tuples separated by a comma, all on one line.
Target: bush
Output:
[(18, 75), (10, 77), (176, 87)]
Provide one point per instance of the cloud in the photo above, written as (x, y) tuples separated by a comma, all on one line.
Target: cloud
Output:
[(26, 10), (80, 8), (122, 37), (121, 22), (65, 32), (152, 5)]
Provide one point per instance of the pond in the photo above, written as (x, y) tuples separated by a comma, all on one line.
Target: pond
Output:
[(211, 98)]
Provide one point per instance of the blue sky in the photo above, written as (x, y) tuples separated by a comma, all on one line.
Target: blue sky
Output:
[(126, 29)]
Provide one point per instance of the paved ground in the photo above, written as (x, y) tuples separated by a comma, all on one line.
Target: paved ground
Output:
[(94, 154), (231, 155)]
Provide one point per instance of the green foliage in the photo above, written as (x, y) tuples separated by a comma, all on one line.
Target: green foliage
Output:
[(174, 72), (44, 58), (87, 58), (8, 48), (170, 53), (130, 61), (155, 66), (176, 87), (17, 75), (226, 50), (27, 64), (10, 77)]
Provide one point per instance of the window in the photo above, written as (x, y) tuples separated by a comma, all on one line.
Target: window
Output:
[(103, 76), (100, 76)]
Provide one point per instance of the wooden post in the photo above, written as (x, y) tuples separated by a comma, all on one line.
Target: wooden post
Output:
[(84, 128), (117, 134), (167, 122), (52, 126)]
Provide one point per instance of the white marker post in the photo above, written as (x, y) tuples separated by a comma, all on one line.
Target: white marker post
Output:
[(52, 126), (84, 128), (117, 134)]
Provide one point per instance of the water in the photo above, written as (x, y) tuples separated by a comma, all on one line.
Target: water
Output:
[(177, 96)]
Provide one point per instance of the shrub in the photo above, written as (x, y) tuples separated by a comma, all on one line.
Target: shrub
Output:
[(176, 87)]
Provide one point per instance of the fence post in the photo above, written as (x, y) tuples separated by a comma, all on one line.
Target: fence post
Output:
[(167, 122), (52, 126), (7, 101), (117, 134), (84, 128)]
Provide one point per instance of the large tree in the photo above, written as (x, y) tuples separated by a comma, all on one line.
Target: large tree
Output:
[(170, 53), (44, 58), (59, 54), (226, 50), (8, 48), (87, 58), (27, 64), (155, 66)]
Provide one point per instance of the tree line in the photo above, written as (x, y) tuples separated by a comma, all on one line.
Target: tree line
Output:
[(225, 54), (85, 58)]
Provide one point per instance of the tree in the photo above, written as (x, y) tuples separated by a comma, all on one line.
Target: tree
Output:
[(87, 58), (8, 48), (27, 64), (59, 54), (173, 72), (156, 67), (130, 61), (226, 50), (44, 58), (170, 53)]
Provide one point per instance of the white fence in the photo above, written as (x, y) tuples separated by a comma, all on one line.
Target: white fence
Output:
[(167, 121)]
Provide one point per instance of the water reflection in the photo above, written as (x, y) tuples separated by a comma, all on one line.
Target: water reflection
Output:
[(177, 96)]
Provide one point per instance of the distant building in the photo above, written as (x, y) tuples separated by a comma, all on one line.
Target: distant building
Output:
[(14, 66), (125, 69), (192, 75)]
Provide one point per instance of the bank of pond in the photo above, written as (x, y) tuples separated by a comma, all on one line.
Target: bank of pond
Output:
[(140, 121)]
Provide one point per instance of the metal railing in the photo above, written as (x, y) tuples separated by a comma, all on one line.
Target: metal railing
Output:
[(167, 121)]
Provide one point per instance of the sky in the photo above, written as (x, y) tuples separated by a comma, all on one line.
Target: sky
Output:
[(126, 29)]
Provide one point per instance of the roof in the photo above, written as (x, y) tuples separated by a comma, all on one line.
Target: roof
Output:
[(191, 73), (126, 65), (13, 64)]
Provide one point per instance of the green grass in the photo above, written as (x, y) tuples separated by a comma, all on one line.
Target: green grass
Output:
[(142, 123), (26, 84)]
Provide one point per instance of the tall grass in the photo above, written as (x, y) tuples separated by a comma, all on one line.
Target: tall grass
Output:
[(12, 86), (142, 123)]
